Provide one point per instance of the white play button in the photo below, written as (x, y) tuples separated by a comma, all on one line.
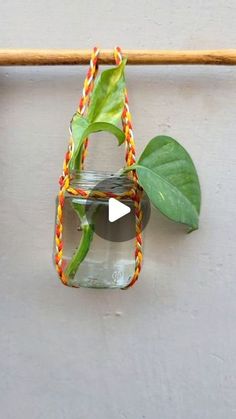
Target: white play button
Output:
[(117, 210)]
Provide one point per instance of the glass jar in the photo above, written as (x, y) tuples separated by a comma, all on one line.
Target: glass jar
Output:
[(100, 260)]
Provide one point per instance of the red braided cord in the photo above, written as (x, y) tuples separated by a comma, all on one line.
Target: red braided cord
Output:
[(130, 159), (91, 75), (64, 180)]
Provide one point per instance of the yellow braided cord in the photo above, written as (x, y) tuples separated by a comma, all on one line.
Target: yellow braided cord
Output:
[(88, 87), (64, 180), (130, 159), (101, 195)]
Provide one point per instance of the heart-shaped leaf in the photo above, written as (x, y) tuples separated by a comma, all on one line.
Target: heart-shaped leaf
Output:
[(106, 107), (107, 100), (168, 176)]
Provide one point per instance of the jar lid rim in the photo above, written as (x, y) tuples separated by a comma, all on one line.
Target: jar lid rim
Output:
[(88, 179)]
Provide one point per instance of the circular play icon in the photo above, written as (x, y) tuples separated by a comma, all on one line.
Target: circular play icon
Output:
[(113, 217), (117, 210)]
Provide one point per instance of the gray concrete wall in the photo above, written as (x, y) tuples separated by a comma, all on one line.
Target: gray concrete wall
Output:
[(166, 348)]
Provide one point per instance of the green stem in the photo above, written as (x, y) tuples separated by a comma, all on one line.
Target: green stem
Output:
[(87, 234), (85, 241), (81, 251), (129, 168)]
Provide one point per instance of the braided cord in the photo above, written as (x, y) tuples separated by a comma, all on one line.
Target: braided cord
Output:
[(88, 88), (64, 181), (130, 160)]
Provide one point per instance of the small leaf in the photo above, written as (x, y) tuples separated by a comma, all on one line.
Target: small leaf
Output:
[(107, 99), (168, 176), (81, 130), (104, 126), (77, 126)]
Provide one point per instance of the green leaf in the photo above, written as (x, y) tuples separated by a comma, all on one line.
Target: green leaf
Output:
[(77, 126), (168, 176), (104, 126), (106, 107), (80, 132), (108, 97)]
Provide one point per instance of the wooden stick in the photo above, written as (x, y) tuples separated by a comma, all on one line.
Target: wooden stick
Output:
[(18, 57)]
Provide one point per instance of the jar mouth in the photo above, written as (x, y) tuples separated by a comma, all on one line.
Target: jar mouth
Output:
[(92, 174), (105, 180)]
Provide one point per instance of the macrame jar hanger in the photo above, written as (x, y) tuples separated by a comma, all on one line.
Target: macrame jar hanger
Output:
[(64, 181)]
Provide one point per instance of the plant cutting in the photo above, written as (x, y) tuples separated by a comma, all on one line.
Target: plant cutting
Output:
[(164, 170)]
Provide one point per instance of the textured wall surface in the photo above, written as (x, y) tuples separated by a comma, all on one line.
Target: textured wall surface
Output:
[(166, 348)]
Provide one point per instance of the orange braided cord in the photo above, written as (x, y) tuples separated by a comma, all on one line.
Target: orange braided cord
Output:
[(88, 82), (64, 180), (88, 87), (130, 159), (102, 195), (127, 120), (64, 184)]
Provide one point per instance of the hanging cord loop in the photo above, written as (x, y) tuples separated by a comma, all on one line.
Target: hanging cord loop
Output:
[(64, 180), (130, 160), (135, 194)]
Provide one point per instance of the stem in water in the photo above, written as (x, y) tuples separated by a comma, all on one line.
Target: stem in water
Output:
[(85, 241)]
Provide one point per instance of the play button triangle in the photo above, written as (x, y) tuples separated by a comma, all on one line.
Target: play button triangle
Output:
[(117, 210)]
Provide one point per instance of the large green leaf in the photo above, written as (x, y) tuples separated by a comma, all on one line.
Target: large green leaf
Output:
[(168, 176), (81, 129), (107, 100), (106, 106)]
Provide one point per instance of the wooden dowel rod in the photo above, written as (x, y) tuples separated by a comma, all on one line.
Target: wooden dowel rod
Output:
[(19, 57)]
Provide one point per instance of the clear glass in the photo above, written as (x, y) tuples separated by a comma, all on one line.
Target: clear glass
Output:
[(107, 264)]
